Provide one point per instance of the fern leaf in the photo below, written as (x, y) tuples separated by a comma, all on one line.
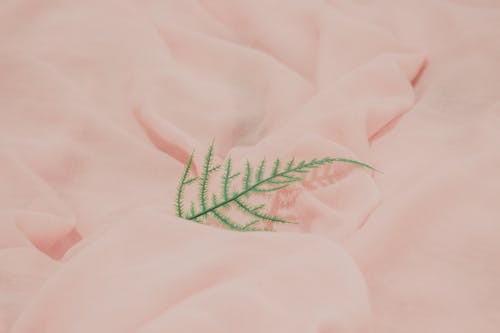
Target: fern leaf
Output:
[(287, 180), (235, 175), (190, 180), (180, 189), (247, 177), (215, 168), (226, 179), (192, 210), (248, 209), (289, 177), (269, 189), (345, 160), (277, 180), (214, 200), (204, 178), (259, 207), (260, 171), (226, 220), (247, 226), (276, 167)]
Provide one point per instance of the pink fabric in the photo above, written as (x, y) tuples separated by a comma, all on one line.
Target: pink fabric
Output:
[(101, 103)]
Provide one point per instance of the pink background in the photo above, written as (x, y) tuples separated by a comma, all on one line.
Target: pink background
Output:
[(101, 103)]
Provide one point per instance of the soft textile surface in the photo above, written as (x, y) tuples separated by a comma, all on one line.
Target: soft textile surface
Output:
[(101, 102)]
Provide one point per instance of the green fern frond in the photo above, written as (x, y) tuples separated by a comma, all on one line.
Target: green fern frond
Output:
[(260, 171), (247, 177), (289, 181), (226, 179), (207, 170), (276, 167), (226, 221), (192, 211), (247, 226), (278, 179), (255, 212), (269, 189), (183, 182)]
